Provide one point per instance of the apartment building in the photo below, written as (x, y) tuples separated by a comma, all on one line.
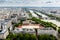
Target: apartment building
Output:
[(14, 18), (3, 29), (3, 34), (48, 30)]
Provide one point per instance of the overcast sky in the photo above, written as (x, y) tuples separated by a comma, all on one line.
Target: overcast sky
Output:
[(31, 3)]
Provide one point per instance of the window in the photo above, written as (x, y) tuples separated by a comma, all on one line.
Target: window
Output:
[(23, 29), (31, 29)]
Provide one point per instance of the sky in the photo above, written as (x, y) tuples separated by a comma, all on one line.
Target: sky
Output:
[(30, 3)]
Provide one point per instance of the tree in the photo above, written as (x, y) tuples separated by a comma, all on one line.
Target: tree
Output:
[(33, 37), (30, 37), (45, 24), (10, 36), (21, 37), (36, 34), (59, 30), (46, 37)]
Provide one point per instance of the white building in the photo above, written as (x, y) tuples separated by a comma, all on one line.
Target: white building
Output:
[(33, 14), (43, 16), (49, 31), (3, 34), (14, 18), (4, 29), (31, 29)]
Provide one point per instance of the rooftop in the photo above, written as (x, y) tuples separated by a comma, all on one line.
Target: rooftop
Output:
[(31, 26), (41, 14), (34, 15)]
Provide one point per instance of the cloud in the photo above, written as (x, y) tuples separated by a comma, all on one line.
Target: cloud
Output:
[(32, 3)]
